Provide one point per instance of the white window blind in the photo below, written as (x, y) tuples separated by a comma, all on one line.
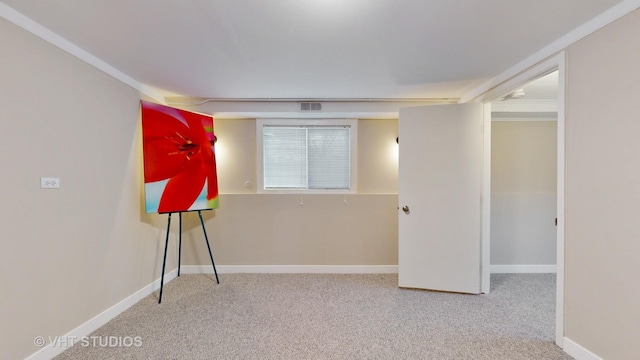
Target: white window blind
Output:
[(306, 157), (328, 154), (285, 157)]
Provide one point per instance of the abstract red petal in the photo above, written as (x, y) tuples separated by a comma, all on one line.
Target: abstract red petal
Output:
[(159, 124), (197, 124), (209, 164), (164, 137), (161, 160), (183, 189)]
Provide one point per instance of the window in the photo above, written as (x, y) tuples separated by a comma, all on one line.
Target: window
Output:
[(306, 155)]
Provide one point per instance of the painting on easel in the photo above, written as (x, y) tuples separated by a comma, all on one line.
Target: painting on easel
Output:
[(179, 160)]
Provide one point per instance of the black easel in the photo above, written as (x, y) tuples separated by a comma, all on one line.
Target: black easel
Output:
[(166, 244)]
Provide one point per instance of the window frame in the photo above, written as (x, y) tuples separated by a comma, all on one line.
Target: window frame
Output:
[(353, 153)]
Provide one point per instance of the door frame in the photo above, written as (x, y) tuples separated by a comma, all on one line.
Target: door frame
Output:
[(553, 63), (485, 234)]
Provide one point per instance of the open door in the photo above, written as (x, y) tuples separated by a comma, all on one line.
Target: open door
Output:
[(440, 189)]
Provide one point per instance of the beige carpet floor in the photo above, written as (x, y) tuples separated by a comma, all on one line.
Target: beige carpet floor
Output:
[(329, 316)]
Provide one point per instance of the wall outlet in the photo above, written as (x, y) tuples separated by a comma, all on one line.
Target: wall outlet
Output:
[(49, 183)]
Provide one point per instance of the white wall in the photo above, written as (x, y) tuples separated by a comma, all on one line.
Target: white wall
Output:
[(70, 253), (523, 192), (74, 252), (274, 229), (603, 191)]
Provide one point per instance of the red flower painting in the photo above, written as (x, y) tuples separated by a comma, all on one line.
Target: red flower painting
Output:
[(179, 159)]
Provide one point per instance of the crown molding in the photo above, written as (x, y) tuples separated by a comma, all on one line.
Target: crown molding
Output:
[(595, 24), (53, 38)]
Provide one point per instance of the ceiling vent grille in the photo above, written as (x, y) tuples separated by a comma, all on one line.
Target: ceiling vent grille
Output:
[(310, 106)]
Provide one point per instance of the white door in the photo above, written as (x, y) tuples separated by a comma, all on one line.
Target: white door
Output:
[(440, 186)]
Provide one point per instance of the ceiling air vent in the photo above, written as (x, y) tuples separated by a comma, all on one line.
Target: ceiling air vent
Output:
[(310, 106)]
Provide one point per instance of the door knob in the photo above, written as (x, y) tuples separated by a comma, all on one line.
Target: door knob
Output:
[(405, 209)]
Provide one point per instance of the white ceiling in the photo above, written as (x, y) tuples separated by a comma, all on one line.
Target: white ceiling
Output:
[(537, 99), (312, 48)]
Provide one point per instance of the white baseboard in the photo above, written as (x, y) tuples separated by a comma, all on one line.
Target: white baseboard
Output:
[(55, 346), (290, 269), (577, 351), (523, 269)]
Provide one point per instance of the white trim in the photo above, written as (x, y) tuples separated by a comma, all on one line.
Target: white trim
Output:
[(578, 352), (51, 350), (523, 269), (607, 17), (560, 195), (290, 269), (557, 62), (54, 39), (485, 251), (533, 72)]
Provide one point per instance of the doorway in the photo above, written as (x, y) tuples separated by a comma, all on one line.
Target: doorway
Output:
[(554, 63), (524, 178), (410, 247)]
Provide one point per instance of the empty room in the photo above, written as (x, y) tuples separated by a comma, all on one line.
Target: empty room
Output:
[(320, 179)]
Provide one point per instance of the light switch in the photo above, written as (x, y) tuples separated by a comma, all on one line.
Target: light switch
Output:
[(49, 183)]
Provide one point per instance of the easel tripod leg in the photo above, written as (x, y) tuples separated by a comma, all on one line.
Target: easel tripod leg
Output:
[(208, 246), (164, 261), (179, 242)]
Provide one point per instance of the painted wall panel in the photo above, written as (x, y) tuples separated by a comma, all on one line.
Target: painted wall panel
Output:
[(523, 192), (69, 253), (262, 229), (603, 191)]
